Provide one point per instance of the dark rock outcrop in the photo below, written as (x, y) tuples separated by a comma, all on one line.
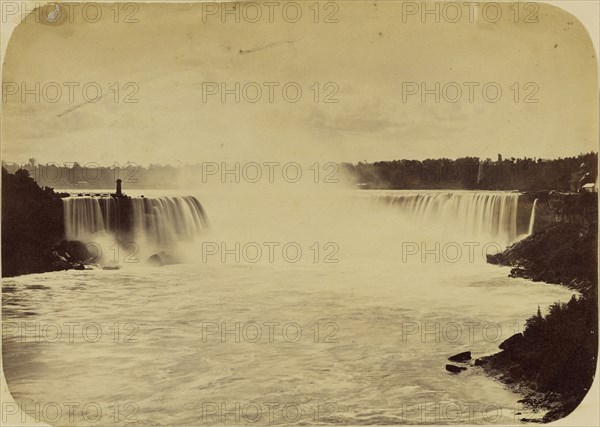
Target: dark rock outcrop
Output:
[(455, 369), (58, 259), (162, 258), (553, 361), (75, 251), (33, 229), (562, 254), (512, 343), (461, 357), (32, 225)]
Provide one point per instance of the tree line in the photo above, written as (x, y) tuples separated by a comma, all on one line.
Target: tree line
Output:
[(466, 173), (472, 173)]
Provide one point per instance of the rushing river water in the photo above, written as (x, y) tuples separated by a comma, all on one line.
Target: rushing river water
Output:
[(293, 308)]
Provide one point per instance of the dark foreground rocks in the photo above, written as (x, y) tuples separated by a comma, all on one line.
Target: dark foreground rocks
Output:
[(513, 343), (32, 224), (553, 362), (68, 255), (455, 369), (461, 357), (553, 376), (33, 230), (562, 253), (76, 251)]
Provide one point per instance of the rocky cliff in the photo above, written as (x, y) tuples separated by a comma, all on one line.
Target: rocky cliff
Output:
[(554, 361)]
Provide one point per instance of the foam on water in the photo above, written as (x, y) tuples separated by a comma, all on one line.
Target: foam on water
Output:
[(362, 360)]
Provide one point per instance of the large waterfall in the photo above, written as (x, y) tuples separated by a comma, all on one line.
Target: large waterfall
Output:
[(480, 215), (161, 220), (167, 219)]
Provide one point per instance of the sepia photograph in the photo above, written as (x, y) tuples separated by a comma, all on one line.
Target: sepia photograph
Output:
[(299, 212)]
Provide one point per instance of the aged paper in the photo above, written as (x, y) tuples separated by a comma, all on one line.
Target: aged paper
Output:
[(299, 212)]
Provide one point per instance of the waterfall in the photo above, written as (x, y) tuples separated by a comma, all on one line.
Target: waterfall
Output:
[(167, 219), (161, 220), (532, 220), (481, 215), (82, 216)]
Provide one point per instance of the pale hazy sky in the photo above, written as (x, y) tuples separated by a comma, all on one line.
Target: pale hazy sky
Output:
[(369, 54)]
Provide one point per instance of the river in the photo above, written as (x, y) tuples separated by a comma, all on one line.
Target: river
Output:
[(293, 307)]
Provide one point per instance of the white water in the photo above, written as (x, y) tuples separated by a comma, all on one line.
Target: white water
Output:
[(159, 222), (532, 219), (167, 220), (362, 360), (86, 216), (481, 215)]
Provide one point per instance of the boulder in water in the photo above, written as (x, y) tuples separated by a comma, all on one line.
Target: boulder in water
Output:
[(75, 251), (461, 357), (455, 369), (60, 265), (56, 262), (154, 260), (162, 258)]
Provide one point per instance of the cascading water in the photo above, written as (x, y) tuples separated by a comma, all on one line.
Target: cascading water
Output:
[(532, 220), (481, 215), (159, 221), (167, 219), (86, 216)]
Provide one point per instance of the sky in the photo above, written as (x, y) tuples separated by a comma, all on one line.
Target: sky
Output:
[(368, 61)]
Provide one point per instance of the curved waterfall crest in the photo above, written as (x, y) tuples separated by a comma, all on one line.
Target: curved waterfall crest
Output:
[(161, 220), (485, 215)]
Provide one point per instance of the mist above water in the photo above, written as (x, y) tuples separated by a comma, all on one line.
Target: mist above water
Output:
[(390, 270), (255, 220)]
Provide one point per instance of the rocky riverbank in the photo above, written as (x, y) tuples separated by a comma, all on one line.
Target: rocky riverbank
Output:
[(553, 362), (33, 229), (563, 253)]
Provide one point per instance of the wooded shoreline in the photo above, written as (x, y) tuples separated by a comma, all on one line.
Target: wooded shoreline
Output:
[(553, 362)]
